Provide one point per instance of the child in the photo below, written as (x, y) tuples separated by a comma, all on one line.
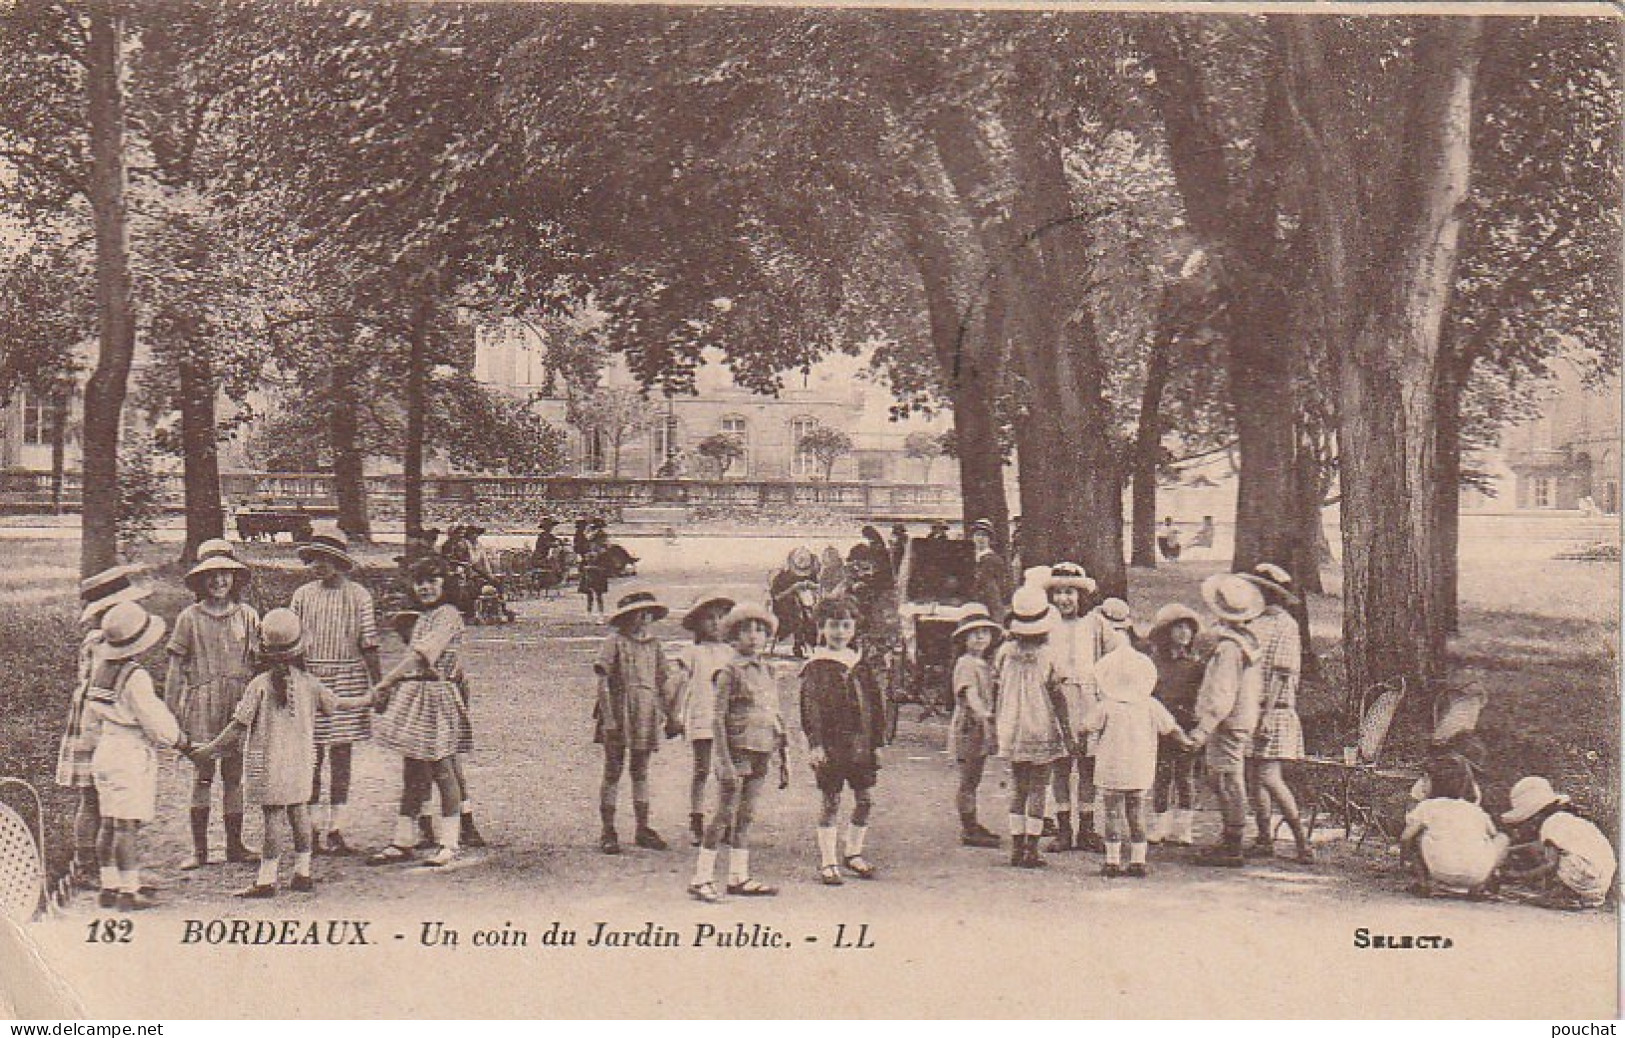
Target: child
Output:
[(971, 731), (1128, 722), (1179, 678), (1108, 625), (1032, 726), (427, 722), (595, 565), (126, 722), (1576, 863), (844, 718), (341, 651), (695, 700), (747, 732), (1227, 707), (1280, 732), (634, 688), (1450, 839), (211, 654), (274, 724), (1076, 644), (97, 594)]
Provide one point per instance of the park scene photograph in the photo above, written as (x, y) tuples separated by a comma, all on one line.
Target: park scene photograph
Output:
[(621, 510)]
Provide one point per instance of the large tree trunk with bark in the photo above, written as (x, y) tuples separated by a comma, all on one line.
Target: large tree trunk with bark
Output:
[(1260, 363), (349, 464), (1447, 503), (1388, 288), (205, 514), (105, 392)]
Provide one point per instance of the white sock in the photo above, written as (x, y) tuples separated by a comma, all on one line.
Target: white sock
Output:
[(1035, 826), (468, 807), (1114, 852), (301, 863), (705, 866), (738, 865), (268, 871), (450, 832), (110, 877), (1018, 825), (405, 834), (129, 881), (340, 814), (321, 818), (826, 844), (854, 839), (1136, 853)]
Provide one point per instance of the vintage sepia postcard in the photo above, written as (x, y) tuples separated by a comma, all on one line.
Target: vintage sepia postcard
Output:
[(555, 510)]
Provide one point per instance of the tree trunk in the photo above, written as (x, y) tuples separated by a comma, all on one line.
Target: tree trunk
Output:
[(1309, 540), (417, 362), (205, 515), (1260, 369), (1388, 289), (1148, 447), (115, 311), (61, 401), (349, 463), (1447, 504)]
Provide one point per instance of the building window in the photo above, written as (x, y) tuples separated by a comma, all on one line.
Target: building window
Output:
[(663, 450), (36, 420), (1610, 497), (871, 468), (734, 425), (804, 465), (593, 454), (1542, 492)]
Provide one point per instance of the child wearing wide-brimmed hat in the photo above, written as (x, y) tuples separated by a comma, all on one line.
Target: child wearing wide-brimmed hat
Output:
[(97, 594), (1172, 641), (1279, 741), (748, 730), (1227, 707), (1128, 722), (1031, 722), (426, 720), (694, 700), (274, 724), (634, 701), (1076, 644), (127, 723), (971, 733), (211, 659), (843, 714), (1570, 861), (341, 651)]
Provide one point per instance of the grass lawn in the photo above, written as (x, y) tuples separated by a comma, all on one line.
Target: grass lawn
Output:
[(1539, 637)]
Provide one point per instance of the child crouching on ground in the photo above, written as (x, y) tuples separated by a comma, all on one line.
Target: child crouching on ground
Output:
[(1128, 722), (1448, 838), (844, 718), (748, 730), (971, 731), (275, 724), (1570, 862)]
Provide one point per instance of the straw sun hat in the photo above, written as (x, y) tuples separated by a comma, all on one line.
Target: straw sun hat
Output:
[(128, 630), (1529, 796), (638, 601), (973, 616), (104, 590), (1231, 597), (335, 549), (1030, 611)]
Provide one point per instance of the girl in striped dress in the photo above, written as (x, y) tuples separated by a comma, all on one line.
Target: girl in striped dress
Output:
[(341, 651), (424, 718), (211, 654)]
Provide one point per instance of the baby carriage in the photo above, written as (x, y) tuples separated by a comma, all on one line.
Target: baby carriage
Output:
[(794, 594), (935, 580), (481, 597)]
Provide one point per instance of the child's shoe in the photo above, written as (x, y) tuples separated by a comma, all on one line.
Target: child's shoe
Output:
[(427, 841), (1263, 847), (1111, 870), (1089, 841), (609, 842), (1032, 859), (469, 834), (391, 855), (135, 902), (1063, 833), (336, 845), (696, 827), (706, 891), (859, 866), (1049, 827), (302, 884), (442, 856), (649, 840), (830, 876), (107, 898), (977, 836), (257, 892), (1018, 851), (751, 887), (1136, 869)]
